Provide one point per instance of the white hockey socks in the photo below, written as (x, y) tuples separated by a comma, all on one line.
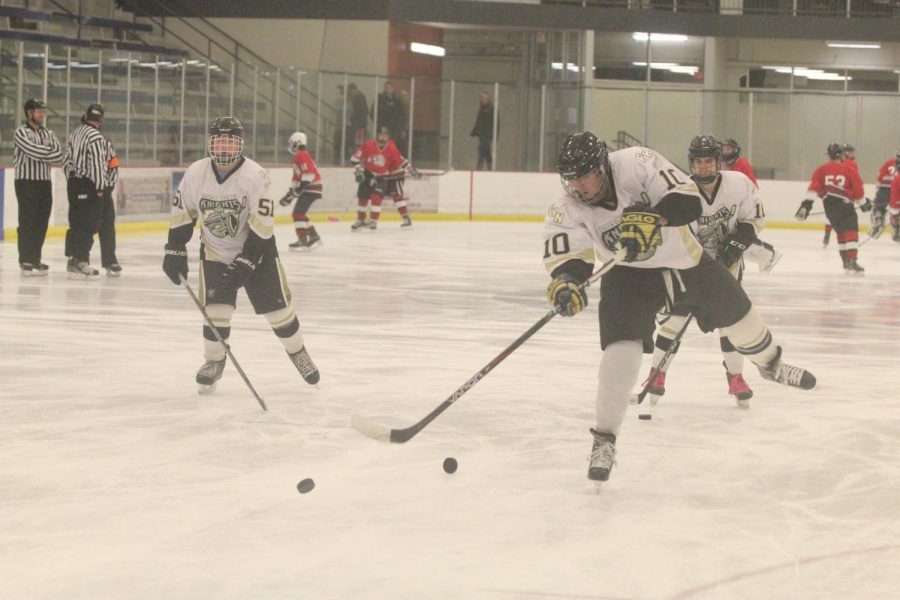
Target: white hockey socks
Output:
[(751, 337), (617, 375), (286, 326)]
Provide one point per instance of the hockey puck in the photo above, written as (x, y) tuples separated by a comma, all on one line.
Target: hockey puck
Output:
[(333, 218), (450, 465), (306, 486), (645, 417)]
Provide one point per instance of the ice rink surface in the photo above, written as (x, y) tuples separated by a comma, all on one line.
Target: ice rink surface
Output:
[(118, 480)]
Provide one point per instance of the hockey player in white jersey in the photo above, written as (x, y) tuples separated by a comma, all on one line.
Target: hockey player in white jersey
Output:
[(732, 216), (227, 192), (637, 207)]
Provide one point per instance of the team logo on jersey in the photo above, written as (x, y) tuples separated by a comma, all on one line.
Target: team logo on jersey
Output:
[(556, 214), (377, 160), (714, 227), (222, 216), (610, 235)]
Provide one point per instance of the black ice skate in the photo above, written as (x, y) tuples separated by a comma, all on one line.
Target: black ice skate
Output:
[(209, 374), (786, 374), (306, 243), (851, 267), (372, 224), (305, 365), (41, 269), (826, 238), (603, 456), (407, 222), (27, 269), (80, 270), (113, 270), (358, 225)]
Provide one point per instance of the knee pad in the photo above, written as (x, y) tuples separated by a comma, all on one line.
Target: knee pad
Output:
[(750, 335)]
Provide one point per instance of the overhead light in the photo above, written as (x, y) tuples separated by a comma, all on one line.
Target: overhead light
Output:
[(641, 36), (864, 45), (568, 66), (673, 67), (427, 49)]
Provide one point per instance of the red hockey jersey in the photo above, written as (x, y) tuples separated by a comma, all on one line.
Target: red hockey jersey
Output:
[(380, 162), (306, 175), (742, 165), (836, 179), (886, 173)]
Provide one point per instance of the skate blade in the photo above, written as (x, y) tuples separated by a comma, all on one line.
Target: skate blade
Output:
[(743, 404), (205, 390), (80, 277), (112, 274)]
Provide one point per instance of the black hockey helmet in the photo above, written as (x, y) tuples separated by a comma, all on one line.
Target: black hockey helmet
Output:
[(731, 150), (583, 153), (835, 151), (848, 150), (704, 146), (94, 112), (34, 104), (226, 140)]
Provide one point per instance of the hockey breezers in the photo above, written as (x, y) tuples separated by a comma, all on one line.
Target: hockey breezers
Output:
[(384, 433), (221, 341)]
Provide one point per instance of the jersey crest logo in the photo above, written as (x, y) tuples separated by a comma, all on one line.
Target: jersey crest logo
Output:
[(556, 214), (610, 235), (222, 216), (377, 160), (714, 227)]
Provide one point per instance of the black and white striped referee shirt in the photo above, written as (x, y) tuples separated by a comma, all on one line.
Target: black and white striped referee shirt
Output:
[(88, 156), (34, 151)]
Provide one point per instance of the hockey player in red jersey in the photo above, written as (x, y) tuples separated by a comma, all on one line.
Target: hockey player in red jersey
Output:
[(733, 161), (380, 169), (883, 197), (306, 188), (840, 187), (895, 204), (849, 160)]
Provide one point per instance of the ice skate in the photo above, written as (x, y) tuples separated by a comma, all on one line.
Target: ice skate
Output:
[(738, 387), (407, 222), (603, 456), (372, 224), (895, 233), (826, 239), (357, 225), (851, 267), (113, 270), (81, 270), (657, 387), (308, 243), (786, 374), (27, 270), (41, 270), (305, 365), (208, 375)]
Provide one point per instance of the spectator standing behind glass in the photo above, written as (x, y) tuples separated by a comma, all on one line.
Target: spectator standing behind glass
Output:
[(358, 110), (86, 166), (391, 114), (107, 232), (484, 131), (35, 149)]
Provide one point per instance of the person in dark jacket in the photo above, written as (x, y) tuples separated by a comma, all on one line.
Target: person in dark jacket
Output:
[(484, 131)]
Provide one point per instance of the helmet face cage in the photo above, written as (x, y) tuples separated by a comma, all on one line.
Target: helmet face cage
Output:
[(835, 151), (226, 141), (732, 156), (296, 141), (704, 146), (583, 154)]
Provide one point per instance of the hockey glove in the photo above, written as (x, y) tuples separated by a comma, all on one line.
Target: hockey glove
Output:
[(175, 263), (731, 250), (639, 232), (289, 197), (865, 206), (359, 175), (804, 210), (237, 273), (566, 296)]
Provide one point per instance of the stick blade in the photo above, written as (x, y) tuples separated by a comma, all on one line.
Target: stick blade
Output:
[(370, 428)]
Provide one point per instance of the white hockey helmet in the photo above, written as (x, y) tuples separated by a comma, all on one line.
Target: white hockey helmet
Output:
[(296, 141)]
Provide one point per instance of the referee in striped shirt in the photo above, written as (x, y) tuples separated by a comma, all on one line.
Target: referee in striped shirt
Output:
[(87, 171), (35, 149)]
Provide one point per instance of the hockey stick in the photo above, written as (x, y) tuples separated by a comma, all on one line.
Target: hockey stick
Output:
[(221, 341), (654, 371), (384, 433)]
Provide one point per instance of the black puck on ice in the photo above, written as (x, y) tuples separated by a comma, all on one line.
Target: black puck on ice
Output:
[(450, 465), (306, 486), (645, 417)]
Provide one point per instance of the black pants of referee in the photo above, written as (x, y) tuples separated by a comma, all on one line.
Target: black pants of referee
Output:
[(85, 215), (35, 200)]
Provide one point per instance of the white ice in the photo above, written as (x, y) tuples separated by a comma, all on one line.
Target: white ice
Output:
[(117, 480)]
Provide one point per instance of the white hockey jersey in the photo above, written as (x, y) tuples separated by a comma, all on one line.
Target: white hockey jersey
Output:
[(227, 206), (574, 230), (734, 200)]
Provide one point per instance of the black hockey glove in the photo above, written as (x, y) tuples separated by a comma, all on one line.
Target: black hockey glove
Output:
[(566, 296), (731, 250), (237, 273), (175, 263), (865, 206), (359, 175), (804, 210), (289, 197), (639, 232)]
